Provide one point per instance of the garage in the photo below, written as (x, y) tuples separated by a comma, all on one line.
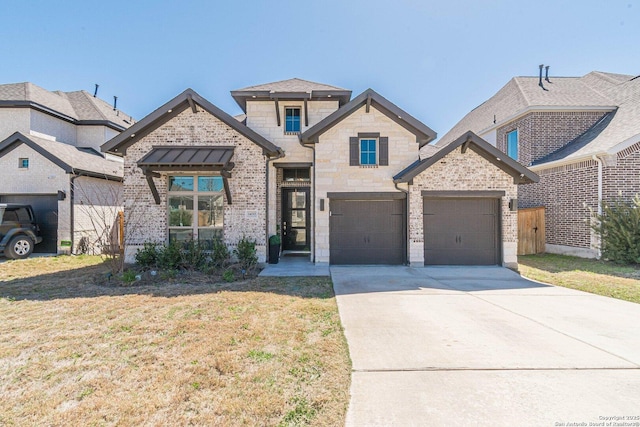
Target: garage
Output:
[(462, 230), (367, 228), (45, 207)]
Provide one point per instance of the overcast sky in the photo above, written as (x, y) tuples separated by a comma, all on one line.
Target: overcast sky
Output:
[(435, 59)]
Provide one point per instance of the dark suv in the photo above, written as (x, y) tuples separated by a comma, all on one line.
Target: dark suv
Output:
[(19, 231)]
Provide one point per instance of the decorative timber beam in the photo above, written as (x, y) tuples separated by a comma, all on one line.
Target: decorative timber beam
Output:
[(192, 104), (277, 111), (149, 175)]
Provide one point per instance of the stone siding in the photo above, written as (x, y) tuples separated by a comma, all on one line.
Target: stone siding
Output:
[(463, 172), (246, 216), (333, 173), (542, 133), (261, 117)]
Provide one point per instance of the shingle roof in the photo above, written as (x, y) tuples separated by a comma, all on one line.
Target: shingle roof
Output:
[(187, 99), (290, 85), (591, 91), (469, 140), (292, 89), (76, 106), (68, 157), (424, 134)]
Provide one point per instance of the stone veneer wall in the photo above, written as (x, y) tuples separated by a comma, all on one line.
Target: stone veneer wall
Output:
[(567, 193), (333, 173), (542, 133), (147, 222), (463, 172)]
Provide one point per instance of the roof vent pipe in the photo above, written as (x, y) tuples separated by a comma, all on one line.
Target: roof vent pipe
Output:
[(95, 92), (540, 80), (115, 98), (546, 74)]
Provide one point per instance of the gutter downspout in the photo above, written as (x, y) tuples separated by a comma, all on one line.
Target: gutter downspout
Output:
[(599, 162), (71, 208), (406, 219), (313, 197), (266, 218)]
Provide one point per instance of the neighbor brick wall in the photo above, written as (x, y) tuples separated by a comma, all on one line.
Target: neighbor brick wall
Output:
[(622, 181), (541, 133), (147, 221), (567, 192), (463, 172)]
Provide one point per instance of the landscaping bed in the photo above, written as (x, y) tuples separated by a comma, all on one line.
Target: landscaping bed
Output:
[(186, 349)]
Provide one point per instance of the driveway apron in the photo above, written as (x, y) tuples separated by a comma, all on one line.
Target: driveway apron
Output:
[(484, 346)]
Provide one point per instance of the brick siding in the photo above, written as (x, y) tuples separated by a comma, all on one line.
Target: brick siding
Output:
[(463, 172), (622, 181), (542, 133), (568, 193), (147, 222)]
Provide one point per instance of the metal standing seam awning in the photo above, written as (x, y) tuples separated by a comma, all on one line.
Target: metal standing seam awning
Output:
[(187, 159)]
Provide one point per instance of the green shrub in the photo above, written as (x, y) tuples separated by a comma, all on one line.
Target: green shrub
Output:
[(221, 254), (129, 276), (170, 257), (246, 254), (193, 255), (619, 230), (229, 276), (147, 257)]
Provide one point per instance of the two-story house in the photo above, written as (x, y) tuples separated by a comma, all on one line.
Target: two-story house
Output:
[(581, 135), (50, 158), (341, 179)]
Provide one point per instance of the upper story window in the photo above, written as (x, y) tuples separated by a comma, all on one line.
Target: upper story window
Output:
[(23, 163), (369, 149), (292, 119), (512, 144), (368, 152)]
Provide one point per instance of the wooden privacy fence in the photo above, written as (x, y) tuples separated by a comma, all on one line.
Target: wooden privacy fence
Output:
[(531, 231)]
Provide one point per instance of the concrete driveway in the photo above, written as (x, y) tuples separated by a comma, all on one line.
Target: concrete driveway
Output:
[(483, 346)]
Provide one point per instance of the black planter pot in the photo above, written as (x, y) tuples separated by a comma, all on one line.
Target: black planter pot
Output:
[(274, 253)]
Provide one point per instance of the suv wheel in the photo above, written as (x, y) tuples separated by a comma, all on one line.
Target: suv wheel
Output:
[(19, 247)]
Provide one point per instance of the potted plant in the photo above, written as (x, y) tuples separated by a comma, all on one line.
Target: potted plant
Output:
[(274, 248)]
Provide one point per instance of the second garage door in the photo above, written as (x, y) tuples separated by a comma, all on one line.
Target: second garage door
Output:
[(461, 231), (367, 231)]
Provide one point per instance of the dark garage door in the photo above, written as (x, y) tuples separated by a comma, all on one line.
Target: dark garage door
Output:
[(461, 231), (45, 208), (367, 232)]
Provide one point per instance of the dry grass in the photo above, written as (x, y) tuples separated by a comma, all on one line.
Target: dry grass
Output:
[(589, 275), (258, 352)]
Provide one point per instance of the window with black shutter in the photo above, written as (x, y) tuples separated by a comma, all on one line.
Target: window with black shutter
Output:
[(369, 149)]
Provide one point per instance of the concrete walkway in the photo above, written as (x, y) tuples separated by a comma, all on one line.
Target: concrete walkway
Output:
[(292, 266), (483, 346)]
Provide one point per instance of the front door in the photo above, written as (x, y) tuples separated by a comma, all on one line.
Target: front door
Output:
[(295, 219)]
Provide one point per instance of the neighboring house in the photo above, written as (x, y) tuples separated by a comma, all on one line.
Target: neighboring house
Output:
[(50, 158), (341, 179), (581, 135)]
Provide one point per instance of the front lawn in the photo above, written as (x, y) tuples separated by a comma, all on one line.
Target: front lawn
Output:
[(589, 275), (265, 351)]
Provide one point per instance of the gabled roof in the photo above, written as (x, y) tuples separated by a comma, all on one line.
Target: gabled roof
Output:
[(68, 157), (291, 89), (522, 94), (369, 97), (187, 99), (78, 107), (471, 141)]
